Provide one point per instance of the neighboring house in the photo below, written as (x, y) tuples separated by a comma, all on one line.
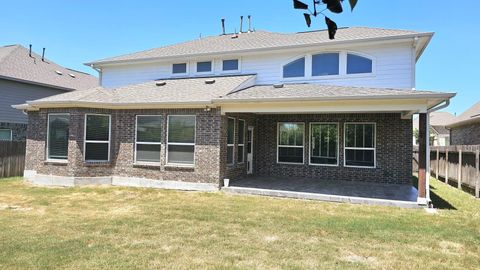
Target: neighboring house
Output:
[(230, 106), (439, 134), (24, 76), (465, 130)]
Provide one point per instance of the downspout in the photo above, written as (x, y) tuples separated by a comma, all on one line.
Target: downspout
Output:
[(427, 169)]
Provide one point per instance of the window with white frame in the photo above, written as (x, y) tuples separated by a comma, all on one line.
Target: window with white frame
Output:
[(360, 145), (294, 69), (230, 65), (205, 66), (180, 68), (97, 137), (57, 136), (325, 64), (324, 143), (290, 142), (181, 139), (148, 138), (241, 141), (230, 140), (357, 64), (5, 134)]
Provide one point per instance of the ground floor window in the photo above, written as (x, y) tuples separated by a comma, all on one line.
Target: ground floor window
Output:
[(241, 141), (5, 134), (57, 136), (290, 142), (324, 143), (230, 140), (148, 138), (360, 145), (181, 139), (97, 137)]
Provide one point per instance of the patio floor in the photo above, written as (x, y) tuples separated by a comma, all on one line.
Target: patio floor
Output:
[(335, 191)]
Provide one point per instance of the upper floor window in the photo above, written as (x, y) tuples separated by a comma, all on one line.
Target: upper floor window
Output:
[(57, 136), (180, 68), (204, 66), (5, 134), (325, 64), (230, 65), (358, 64), (294, 69)]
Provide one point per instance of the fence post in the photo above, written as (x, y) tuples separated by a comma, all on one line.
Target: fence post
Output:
[(459, 174), (477, 165), (446, 166), (438, 163)]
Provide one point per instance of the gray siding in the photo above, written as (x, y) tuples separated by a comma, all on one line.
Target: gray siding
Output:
[(12, 93)]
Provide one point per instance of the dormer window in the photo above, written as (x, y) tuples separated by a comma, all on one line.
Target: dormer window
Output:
[(204, 66), (230, 65), (325, 64), (180, 68), (357, 64), (294, 69)]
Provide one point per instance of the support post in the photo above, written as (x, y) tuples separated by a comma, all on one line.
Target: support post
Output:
[(446, 166), (477, 166), (438, 164), (459, 174), (422, 159)]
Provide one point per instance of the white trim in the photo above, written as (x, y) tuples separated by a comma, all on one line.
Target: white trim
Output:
[(11, 134), (310, 146), (231, 144), (241, 144), (291, 146), (85, 137), (147, 143), (360, 148), (183, 165), (186, 73), (212, 67), (239, 67), (47, 158)]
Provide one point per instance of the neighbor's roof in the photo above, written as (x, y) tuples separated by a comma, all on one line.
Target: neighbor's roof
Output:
[(262, 40), (469, 116), (187, 91), (317, 92), (219, 90), (438, 121), (16, 64)]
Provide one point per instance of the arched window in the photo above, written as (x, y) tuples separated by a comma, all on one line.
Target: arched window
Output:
[(358, 64), (325, 64), (294, 69)]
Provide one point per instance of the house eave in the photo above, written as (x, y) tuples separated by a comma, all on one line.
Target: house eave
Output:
[(34, 106)]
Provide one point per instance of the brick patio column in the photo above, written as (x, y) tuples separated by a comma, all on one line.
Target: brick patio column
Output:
[(422, 158)]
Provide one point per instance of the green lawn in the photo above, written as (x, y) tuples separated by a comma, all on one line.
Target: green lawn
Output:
[(127, 228)]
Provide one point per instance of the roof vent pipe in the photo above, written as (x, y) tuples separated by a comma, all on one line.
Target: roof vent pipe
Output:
[(249, 24), (30, 52), (43, 55), (223, 26), (241, 24)]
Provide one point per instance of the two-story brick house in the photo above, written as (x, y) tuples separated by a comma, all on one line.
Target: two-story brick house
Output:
[(232, 106)]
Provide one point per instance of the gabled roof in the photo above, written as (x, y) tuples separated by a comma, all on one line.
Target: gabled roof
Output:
[(206, 91), (469, 116), (438, 121), (16, 64), (263, 40)]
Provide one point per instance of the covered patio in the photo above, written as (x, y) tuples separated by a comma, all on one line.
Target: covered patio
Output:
[(399, 195)]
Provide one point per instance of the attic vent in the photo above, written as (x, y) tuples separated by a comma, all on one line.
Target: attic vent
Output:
[(160, 83), (211, 81), (71, 75), (58, 72), (278, 85)]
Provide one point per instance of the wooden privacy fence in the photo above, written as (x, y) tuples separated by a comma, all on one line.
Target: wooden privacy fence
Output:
[(12, 158), (456, 165)]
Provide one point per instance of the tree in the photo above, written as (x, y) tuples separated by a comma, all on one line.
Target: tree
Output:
[(416, 134), (334, 6)]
